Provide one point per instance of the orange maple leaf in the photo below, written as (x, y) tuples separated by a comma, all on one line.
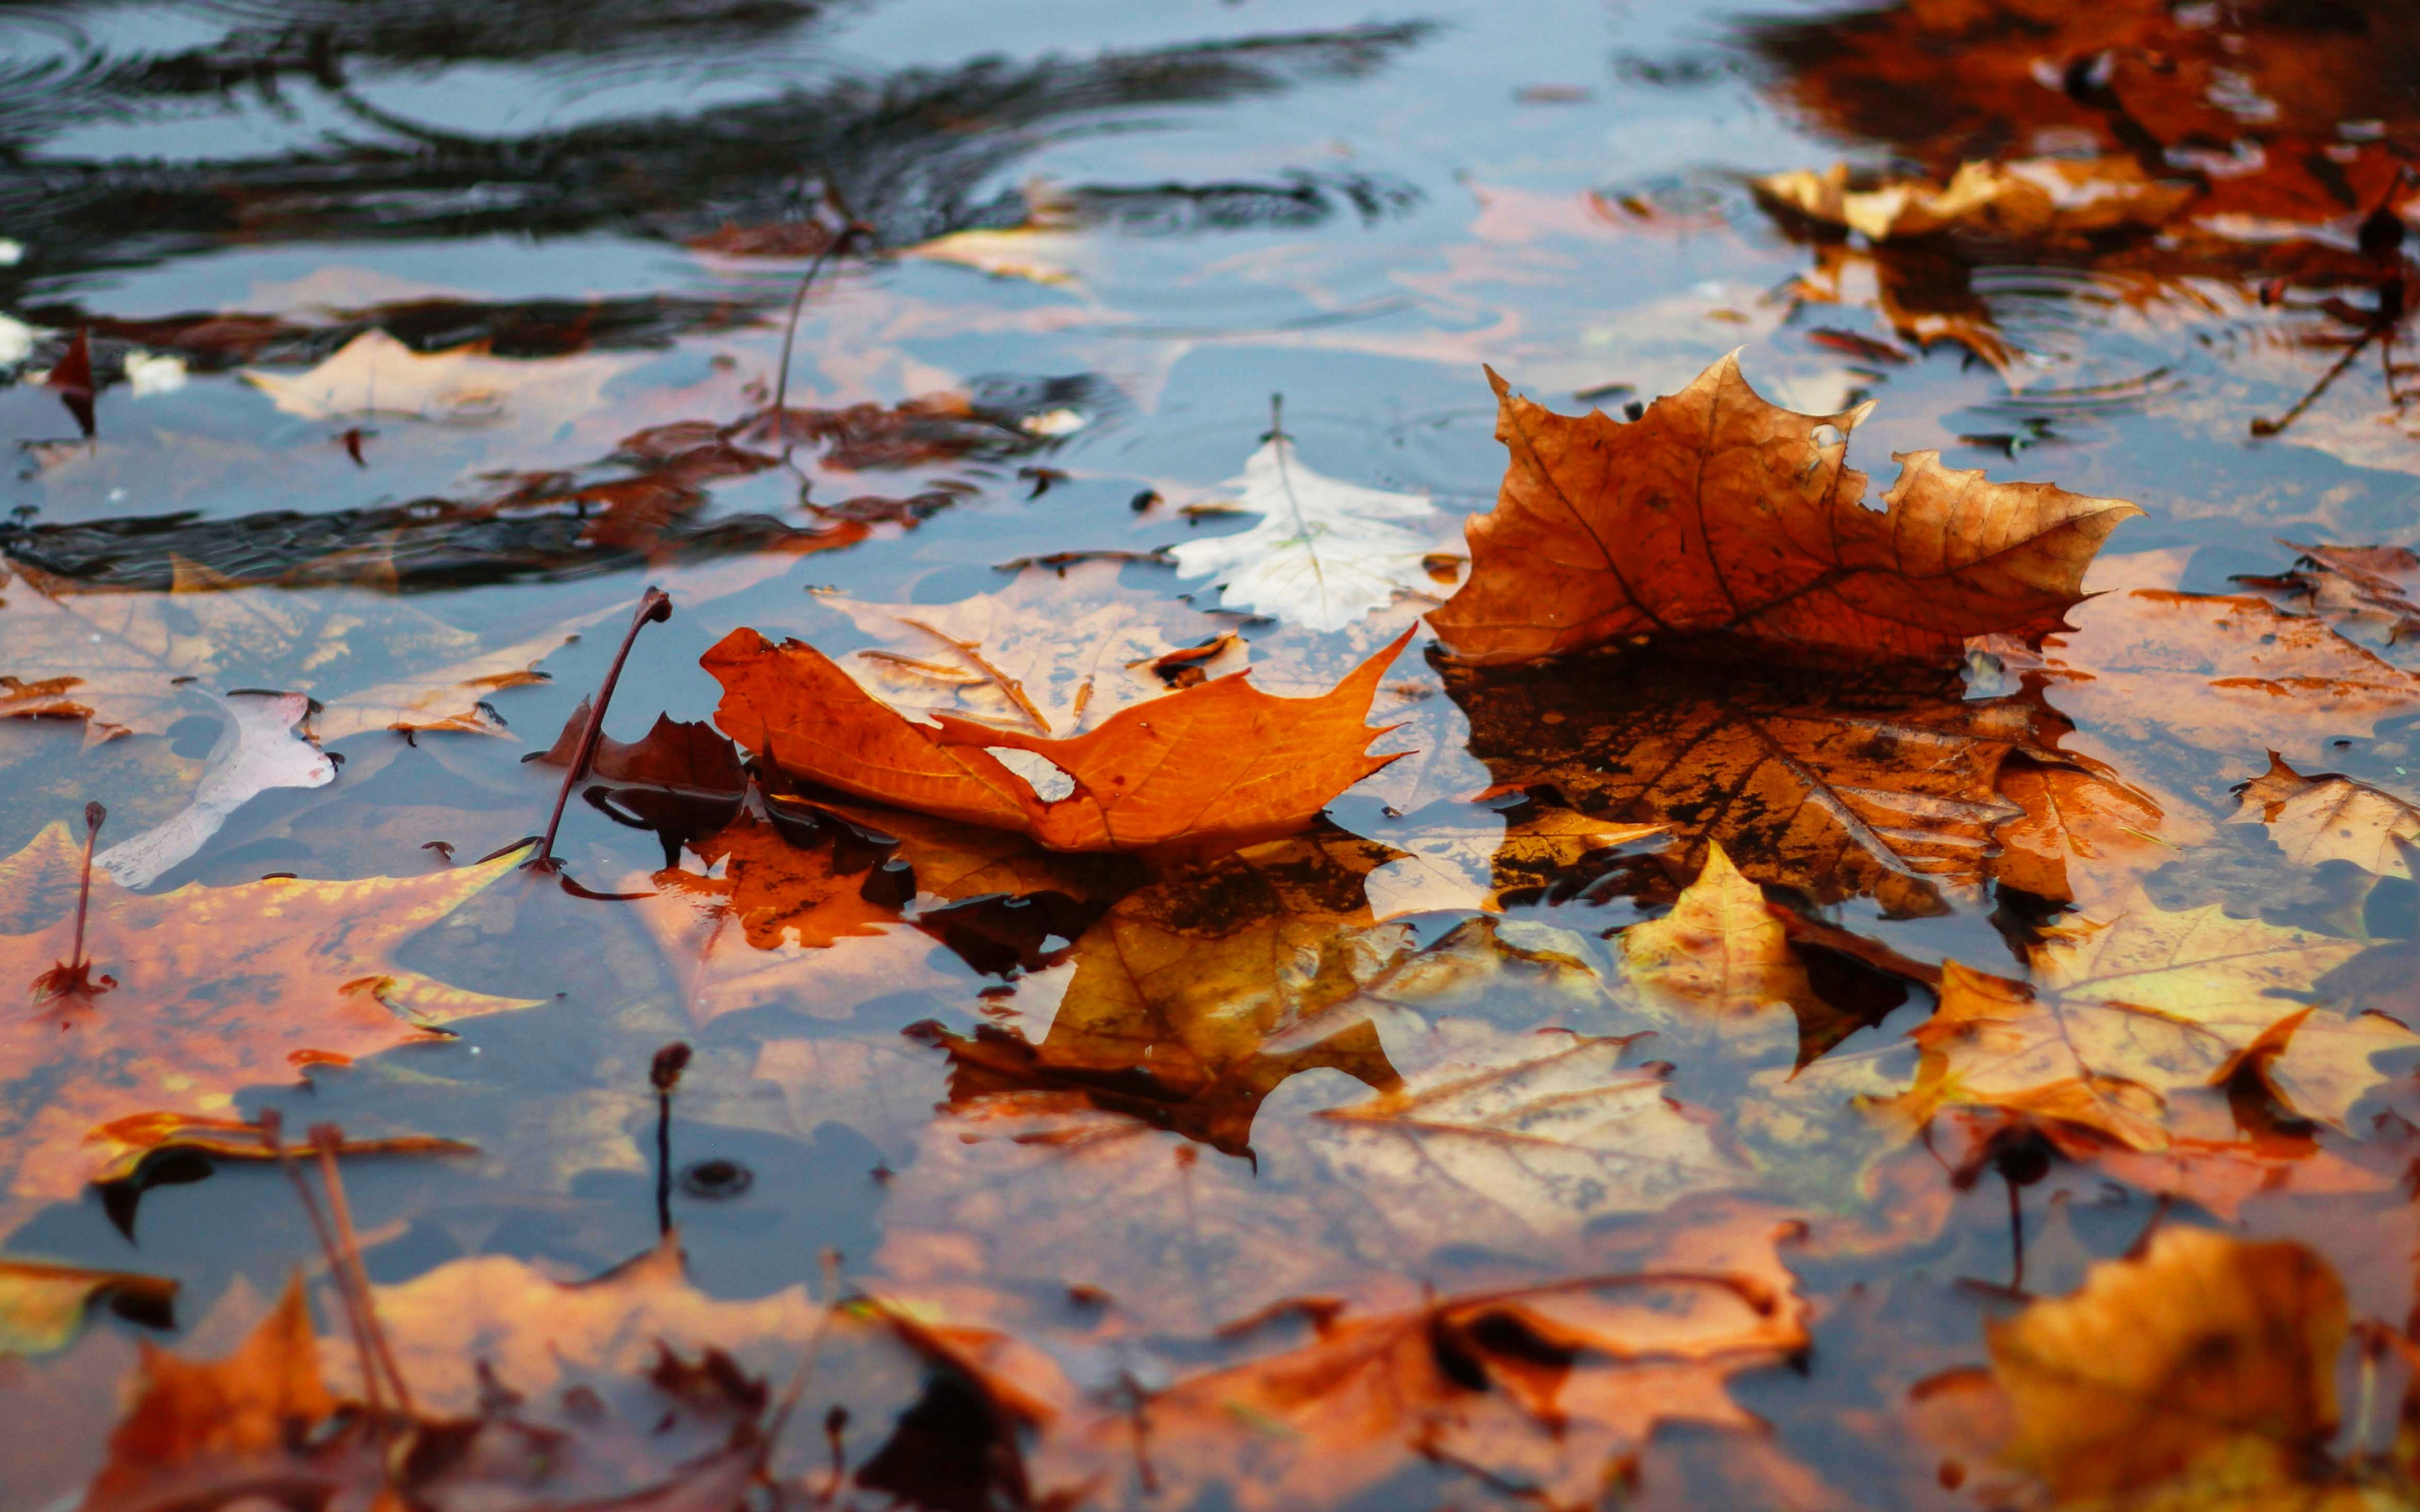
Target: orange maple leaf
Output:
[(1220, 758), (1717, 511)]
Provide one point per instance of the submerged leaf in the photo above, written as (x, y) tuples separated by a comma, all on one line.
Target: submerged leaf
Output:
[(1325, 552), (2330, 818)]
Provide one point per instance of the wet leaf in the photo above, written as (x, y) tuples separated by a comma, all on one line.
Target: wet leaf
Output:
[(2149, 1004), (1222, 757), (1325, 552), (217, 989), (43, 1308), (1717, 511), (2330, 818), (120, 661), (2084, 834), (374, 374), (1722, 953), (2367, 588), (1883, 782), (2204, 1371)]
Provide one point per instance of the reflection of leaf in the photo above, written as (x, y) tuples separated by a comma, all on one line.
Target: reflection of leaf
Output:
[(1456, 865), (218, 988), (2204, 1371), (2083, 834), (1221, 757), (2330, 818), (1325, 552), (1717, 511), (1880, 782), (2033, 199)]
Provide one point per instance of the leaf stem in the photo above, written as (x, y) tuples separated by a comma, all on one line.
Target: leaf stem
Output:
[(665, 1074), (93, 816), (797, 302), (328, 1138), (655, 605)]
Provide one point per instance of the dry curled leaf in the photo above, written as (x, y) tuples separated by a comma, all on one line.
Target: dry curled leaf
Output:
[(1716, 511), (1220, 758)]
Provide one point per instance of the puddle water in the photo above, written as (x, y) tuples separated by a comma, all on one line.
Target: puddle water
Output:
[(423, 338)]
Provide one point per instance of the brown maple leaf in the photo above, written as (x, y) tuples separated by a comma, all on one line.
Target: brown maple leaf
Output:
[(2034, 200), (1716, 511), (1883, 782), (2368, 587), (218, 989), (1219, 758)]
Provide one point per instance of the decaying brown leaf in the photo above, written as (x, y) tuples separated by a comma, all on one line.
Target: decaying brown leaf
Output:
[(1219, 758), (2084, 834), (1717, 511), (2368, 588)]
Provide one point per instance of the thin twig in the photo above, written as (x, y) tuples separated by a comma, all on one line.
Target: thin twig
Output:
[(93, 816), (328, 1139), (2272, 427), (665, 1074), (655, 605), (800, 1378), (797, 302), (270, 1125)]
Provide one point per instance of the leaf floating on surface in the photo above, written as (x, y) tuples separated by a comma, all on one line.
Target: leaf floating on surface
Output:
[(1718, 511), (1220, 758)]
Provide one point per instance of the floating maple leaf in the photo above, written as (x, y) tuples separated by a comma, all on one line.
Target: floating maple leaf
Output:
[(2084, 834), (2368, 587), (1717, 511), (1220, 758), (1883, 782), (1326, 553), (1722, 953), (374, 374), (218, 989)]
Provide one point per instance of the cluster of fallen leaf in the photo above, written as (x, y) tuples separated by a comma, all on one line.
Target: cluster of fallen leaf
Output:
[(1705, 679)]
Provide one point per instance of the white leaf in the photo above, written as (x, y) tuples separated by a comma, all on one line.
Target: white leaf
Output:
[(259, 751), (1325, 552)]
